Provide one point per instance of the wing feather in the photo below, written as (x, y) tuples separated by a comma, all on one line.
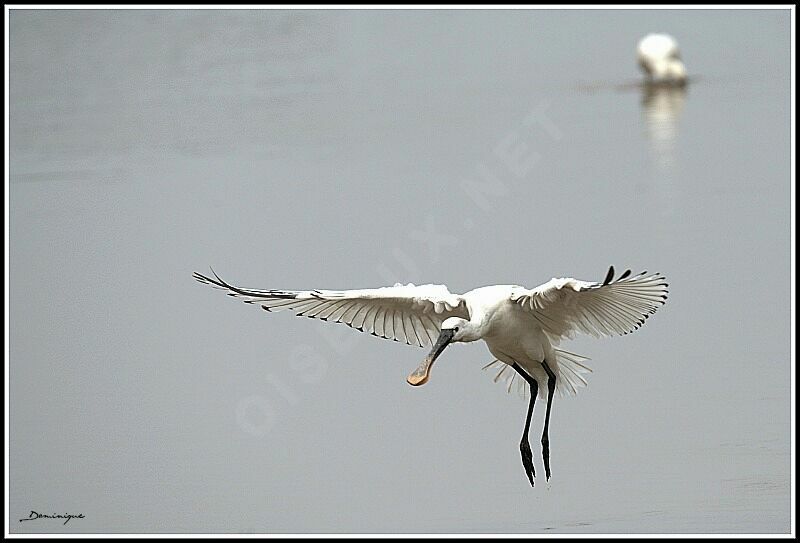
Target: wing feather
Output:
[(407, 313), (346, 314), (380, 322), (369, 319), (566, 306), (361, 314), (414, 320)]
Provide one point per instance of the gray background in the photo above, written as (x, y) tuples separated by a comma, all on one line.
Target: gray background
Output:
[(342, 149)]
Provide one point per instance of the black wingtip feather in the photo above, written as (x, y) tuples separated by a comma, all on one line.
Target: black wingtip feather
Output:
[(609, 275)]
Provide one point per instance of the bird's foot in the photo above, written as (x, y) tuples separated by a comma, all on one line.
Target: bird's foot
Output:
[(527, 460), (546, 457)]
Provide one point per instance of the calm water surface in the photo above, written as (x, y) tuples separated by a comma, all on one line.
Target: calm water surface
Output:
[(350, 149)]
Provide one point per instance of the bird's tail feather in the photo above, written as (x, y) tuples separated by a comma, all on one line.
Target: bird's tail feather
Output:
[(570, 371)]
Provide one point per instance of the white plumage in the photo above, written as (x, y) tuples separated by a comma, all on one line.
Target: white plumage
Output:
[(660, 59), (520, 326), (408, 313)]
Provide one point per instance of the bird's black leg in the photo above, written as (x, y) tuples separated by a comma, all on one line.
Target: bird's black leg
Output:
[(524, 445), (551, 388)]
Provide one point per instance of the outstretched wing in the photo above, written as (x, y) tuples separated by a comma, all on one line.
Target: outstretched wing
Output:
[(412, 314), (566, 306)]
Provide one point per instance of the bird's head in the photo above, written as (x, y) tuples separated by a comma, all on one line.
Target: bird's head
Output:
[(454, 329), (462, 329)]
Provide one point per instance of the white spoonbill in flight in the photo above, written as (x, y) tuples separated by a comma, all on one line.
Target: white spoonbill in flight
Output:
[(520, 326), (660, 59)]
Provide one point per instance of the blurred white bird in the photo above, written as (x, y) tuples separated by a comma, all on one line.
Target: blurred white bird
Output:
[(660, 60), (520, 326)]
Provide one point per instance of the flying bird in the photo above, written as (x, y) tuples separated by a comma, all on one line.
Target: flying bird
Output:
[(660, 59), (520, 326)]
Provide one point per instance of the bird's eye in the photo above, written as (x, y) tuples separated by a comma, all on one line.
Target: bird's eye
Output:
[(455, 329)]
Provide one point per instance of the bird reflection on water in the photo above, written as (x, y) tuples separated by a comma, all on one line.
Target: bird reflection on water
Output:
[(662, 105)]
